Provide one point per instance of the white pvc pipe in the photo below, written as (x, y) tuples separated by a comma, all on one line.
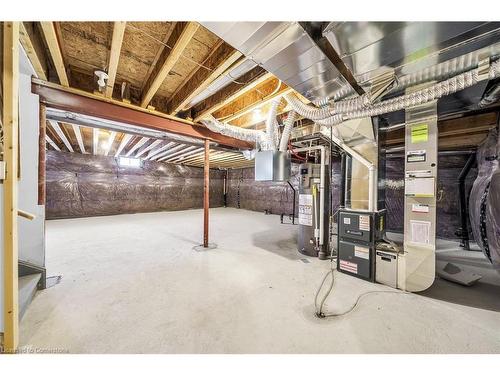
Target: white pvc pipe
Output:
[(321, 188)]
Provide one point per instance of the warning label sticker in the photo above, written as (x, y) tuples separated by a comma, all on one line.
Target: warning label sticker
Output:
[(348, 266), (305, 209), (364, 222)]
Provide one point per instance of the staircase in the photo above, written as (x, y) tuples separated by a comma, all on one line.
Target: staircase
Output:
[(31, 278)]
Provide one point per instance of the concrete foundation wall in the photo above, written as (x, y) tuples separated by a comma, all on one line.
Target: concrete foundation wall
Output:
[(87, 185)]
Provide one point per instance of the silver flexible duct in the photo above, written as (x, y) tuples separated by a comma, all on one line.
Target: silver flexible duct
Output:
[(271, 123), (249, 135), (287, 130), (306, 110), (436, 91)]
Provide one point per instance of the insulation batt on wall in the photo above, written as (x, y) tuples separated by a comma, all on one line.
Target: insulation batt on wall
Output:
[(86, 185)]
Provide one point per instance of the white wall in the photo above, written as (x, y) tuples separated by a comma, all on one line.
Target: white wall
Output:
[(31, 233)]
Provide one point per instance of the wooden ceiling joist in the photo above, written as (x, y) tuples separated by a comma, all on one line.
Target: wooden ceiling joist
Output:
[(159, 150), (179, 39), (114, 55), (52, 143), (78, 135), (138, 144), (172, 154), (161, 156), (182, 155), (34, 49), (253, 78), (50, 35), (125, 140), (111, 139), (95, 140), (153, 144), (61, 135), (221, 58)]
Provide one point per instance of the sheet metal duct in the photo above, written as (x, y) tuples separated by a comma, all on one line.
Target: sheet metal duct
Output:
[(377, 53), (285, 50)]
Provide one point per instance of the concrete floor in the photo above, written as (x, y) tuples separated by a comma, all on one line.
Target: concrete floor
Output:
[(133, 284)]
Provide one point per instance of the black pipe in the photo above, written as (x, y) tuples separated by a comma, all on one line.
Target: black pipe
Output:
[(464, 230), (294, 192), (342, 179)]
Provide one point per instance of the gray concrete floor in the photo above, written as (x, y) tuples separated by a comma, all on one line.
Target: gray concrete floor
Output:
[(133, 284)]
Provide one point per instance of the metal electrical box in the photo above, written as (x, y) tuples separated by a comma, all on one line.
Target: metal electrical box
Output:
[(272, 166), (309, 212), (358, 232)]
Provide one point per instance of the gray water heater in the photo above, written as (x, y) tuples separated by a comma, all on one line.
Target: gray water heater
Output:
[(309, 210)]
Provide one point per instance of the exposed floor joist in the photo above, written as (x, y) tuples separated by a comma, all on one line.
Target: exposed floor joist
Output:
[(78, 135), (138, 144), (109, 143), (114, 55), (229, 93), (61, 135), (221, 58), (55, 51), (95, 140), (52, 143), (182, 34), (163, 147), (125, 140)]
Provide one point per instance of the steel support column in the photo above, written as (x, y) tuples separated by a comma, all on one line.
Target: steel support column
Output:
[(206, 192)]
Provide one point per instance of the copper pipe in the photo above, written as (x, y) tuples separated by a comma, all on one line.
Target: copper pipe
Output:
[(41, 155), (206, 193)]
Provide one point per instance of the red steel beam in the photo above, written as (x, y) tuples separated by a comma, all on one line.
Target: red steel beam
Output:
[(71, 100)]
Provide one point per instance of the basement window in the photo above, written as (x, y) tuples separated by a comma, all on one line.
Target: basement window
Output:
[(129, 162)]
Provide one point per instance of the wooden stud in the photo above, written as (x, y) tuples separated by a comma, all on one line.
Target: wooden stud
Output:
[(41, 154), (10, 120), (55, 51), (167, 61), (114, 55), (206, 193), (33, 51), (221, 58)]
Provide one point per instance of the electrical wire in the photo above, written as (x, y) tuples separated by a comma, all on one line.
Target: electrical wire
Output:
[(319, 307)]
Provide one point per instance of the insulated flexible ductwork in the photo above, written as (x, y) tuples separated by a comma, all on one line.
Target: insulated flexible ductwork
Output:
[(287, 130), (249, 135), (271, 123), (359, 107), (307, 111)]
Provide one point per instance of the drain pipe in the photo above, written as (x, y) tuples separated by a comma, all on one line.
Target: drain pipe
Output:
[(322, 254)]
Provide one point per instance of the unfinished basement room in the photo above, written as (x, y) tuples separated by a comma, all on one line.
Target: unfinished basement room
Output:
[(287, 187)]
